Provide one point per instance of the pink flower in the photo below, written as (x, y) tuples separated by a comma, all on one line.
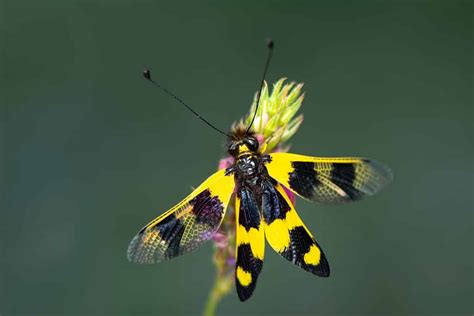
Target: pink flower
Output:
[(290, 195), (220, 240), (226, 162)]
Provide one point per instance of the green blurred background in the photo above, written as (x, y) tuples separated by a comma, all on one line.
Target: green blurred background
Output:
[(91, 151)]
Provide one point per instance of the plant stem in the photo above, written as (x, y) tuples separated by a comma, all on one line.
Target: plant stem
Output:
[(220, 288)]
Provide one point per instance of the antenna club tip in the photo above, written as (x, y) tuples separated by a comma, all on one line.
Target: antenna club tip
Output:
[(147, 74), (270, 43)]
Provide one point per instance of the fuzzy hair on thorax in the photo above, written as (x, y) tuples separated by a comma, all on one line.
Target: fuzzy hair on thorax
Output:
[(239, 132)]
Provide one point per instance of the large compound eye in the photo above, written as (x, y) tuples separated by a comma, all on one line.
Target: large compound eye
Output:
[(252, 143), (233, 149)]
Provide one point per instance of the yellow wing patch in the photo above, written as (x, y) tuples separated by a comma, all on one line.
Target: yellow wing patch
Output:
[(252, 237), (277, 235), (313, 256), (244, 277)]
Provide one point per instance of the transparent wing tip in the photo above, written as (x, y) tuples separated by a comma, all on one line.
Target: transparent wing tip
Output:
[(137, 251), (381, 176)]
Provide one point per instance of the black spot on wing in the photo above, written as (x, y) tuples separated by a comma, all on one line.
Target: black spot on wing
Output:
[(274, 206), (248, 263), (343, 175), (300, 243), (249, 215), (207, 209), (171, 230), (303, 179)]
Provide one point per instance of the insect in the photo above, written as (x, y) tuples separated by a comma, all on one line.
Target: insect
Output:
[(263, 209)]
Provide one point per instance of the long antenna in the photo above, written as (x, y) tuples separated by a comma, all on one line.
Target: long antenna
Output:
[(269, 57), (147, 75)]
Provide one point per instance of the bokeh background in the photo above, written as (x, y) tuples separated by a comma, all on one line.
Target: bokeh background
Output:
[(91, 152)]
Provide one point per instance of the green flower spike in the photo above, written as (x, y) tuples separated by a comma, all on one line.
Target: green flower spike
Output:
[(275, 120)]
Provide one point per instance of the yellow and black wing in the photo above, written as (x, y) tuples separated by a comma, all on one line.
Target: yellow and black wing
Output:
[(286, 233), (187, 225), (250, 242), (329, 180)]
